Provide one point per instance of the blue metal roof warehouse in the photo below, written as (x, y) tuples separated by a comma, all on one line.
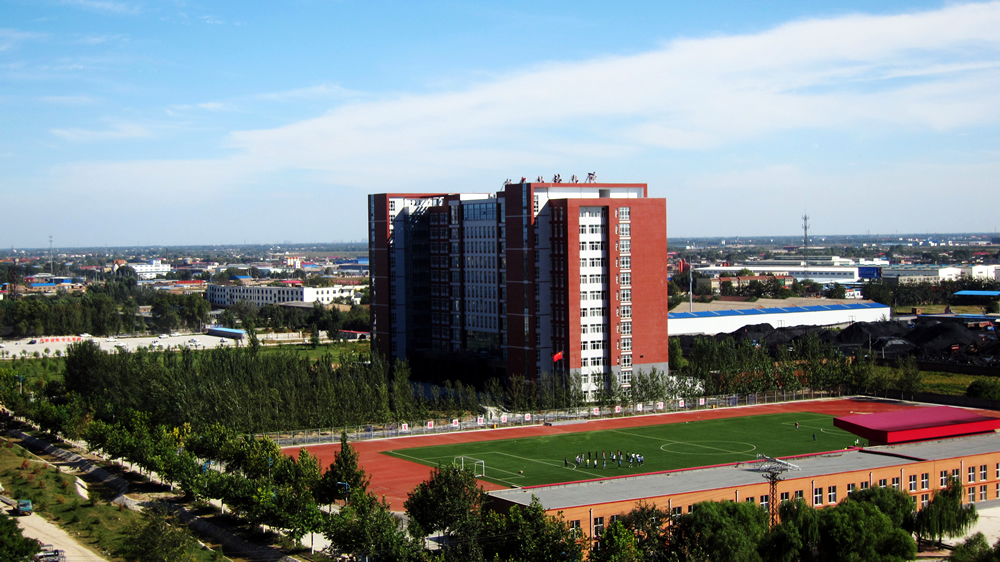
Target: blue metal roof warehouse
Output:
[(725, 321)]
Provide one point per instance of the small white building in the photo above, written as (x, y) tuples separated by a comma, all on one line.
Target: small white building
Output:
[(150, 269)]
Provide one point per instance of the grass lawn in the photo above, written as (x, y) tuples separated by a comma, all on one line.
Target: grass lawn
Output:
[(939, 309), (53, 494), (338, 350), (542, 460)]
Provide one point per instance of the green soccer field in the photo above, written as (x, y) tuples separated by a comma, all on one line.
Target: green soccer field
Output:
[(549, 459)]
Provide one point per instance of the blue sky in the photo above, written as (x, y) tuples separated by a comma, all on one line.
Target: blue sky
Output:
[(174, 122)]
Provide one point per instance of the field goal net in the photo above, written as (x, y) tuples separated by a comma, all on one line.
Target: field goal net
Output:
[(477, 466)]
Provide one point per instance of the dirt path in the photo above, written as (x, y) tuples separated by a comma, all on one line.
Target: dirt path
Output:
[(394, 478), (36, 527)]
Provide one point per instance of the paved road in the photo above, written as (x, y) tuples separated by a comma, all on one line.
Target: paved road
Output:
[(36, 527)]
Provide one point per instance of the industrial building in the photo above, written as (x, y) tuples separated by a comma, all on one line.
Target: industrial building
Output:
[(712, 322), (818, 273), (536, 278)]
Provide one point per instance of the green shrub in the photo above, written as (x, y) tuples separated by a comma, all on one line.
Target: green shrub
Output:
[(984, 388)]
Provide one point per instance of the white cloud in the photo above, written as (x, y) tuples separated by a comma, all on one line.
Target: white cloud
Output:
[(69, 100), (319, 92), (893, 76), (9, 38), (108, 6), (936, 70), (116, 132)]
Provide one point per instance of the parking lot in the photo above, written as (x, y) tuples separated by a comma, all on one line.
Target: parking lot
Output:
[(23, 346)]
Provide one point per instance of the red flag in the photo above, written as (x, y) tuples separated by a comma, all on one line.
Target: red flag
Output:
[(557, 357)]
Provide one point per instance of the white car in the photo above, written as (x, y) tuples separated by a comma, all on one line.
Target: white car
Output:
[(194, 341), (85, 335), (164, 336), (111, 339), (174, 334)]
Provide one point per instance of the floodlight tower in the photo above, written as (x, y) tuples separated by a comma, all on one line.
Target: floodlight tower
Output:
[(773, 469)]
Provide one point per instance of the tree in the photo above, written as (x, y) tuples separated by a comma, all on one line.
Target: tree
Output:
[(835, 291), (343, 475), (365, 526), (796, 538), (896, 504), (975, 549), (945, 515), (14, 546), (152, 538), (855, 530), (539, 536), (647, 522), (909, 378), (618, 544), (450, 502), (719, 531)]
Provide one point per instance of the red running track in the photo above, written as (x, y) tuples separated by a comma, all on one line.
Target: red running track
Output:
[(394, 478)]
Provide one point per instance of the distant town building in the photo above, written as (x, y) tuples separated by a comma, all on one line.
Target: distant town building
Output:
[(227, 295)]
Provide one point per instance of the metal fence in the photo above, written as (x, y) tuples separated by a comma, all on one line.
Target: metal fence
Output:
[(499, 419)]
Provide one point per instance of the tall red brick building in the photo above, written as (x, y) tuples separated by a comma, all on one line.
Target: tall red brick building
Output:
[(538, 278)]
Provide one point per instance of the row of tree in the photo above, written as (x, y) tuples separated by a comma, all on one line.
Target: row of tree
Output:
[(916, 294)]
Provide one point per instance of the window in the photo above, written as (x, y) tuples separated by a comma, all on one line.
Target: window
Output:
[(574, 527), (626, 360), (626, 328), (925, 480), (584, 262), (750, 499), (583, 346), (677, 511), (625, 279), (831, 494), (626, 262), (765, 501), (626, 295), (925, 499), (598, 527), (626, 311), (627, 344), (583, 246), (944, 478), (913, 482), (982, 493), (972, 474), (982, 472), (784, 497), (625, 246), (583, 279), (850, 488), (817, 496), (881, 483), (624, 213), (864, 485), (972, 494), (625, 230), (895, 482)]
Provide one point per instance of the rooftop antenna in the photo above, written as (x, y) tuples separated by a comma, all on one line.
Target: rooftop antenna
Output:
[(805, 240), (772, 469)]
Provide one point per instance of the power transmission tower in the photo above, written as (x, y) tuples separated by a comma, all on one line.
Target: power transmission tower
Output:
[(772, 469)]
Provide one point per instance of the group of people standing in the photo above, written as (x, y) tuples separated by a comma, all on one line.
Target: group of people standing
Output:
[(602, 460)]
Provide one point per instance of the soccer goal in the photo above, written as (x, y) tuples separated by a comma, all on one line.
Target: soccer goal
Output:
[(478, 467)]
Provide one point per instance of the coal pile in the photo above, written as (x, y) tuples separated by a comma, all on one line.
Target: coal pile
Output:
[(940, 338), (866, 332)]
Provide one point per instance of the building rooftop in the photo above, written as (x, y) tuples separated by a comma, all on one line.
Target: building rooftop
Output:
[(777, 310)]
